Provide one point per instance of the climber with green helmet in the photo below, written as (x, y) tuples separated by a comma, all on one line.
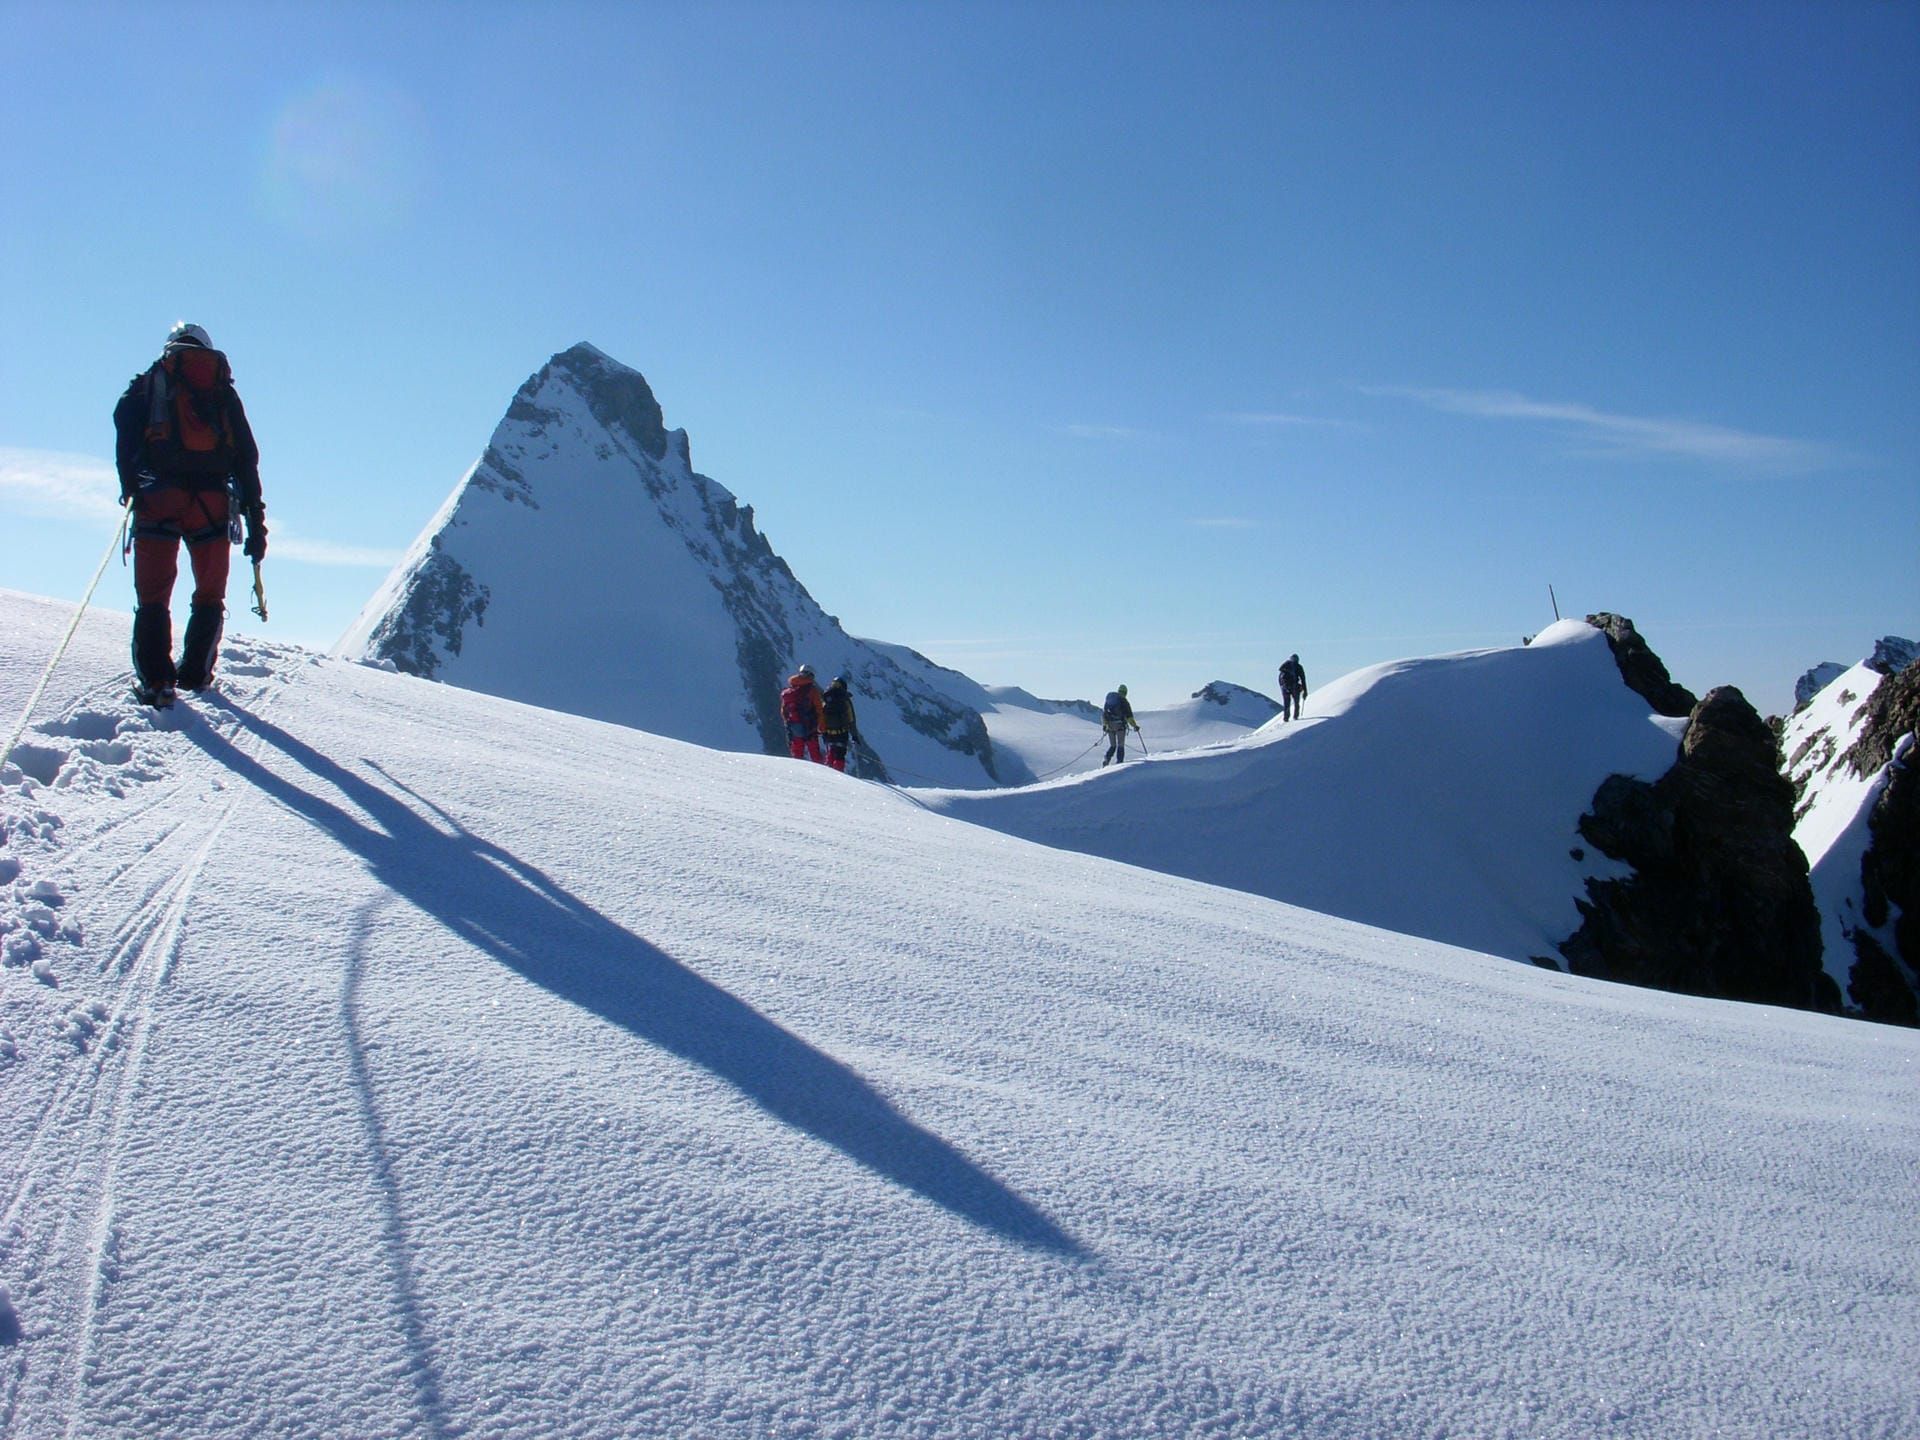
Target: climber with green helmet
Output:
[(1115, 716)]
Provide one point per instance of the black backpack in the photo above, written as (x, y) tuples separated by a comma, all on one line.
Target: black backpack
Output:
[(838, 708), (1114, 712)]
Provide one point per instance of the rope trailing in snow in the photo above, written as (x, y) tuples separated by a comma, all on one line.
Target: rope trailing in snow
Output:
[(1073, 762), (119, 532), (934, 780)]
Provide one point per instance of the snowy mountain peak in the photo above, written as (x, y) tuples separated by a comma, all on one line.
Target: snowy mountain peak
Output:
[(1226, 694), (582, 565)]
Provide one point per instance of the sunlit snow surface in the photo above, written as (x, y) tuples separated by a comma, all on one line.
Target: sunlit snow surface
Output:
[(406, 1062)]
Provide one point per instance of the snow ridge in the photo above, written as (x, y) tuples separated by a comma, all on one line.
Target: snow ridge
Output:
[(1445, 802)]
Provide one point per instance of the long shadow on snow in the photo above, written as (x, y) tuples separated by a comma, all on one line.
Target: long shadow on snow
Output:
[(521, 917), (424, 1369)]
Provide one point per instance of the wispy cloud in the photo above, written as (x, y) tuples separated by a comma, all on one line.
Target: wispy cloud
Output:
[(1104, 432), (973, 648), (1279, 419), (61, 485), (58, 484), (325, 552), (1631, 435)]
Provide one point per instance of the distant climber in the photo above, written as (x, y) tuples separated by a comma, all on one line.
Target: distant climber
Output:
[(1293, 687), (838, 725), (190, 469), (800, 707), (1115, 716)]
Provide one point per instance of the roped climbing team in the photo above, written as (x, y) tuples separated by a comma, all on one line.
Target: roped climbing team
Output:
[(812, 716), (190, 473)]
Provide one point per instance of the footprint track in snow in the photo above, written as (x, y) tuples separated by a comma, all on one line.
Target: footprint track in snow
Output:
[(57, 1226)]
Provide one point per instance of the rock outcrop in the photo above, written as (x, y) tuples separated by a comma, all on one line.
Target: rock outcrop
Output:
[(1886, 986), (1226, 693), (1719, 903), (1892, 654), (1643, 670)]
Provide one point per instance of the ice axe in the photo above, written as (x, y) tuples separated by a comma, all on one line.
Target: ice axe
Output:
[(259, 594)]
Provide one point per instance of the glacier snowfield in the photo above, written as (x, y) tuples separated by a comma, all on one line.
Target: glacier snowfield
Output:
[(379, 1058)]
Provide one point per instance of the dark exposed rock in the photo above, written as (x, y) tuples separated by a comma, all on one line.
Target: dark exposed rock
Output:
[(500, 476), (1719, 902), (1811, 755), (619, 397), (1643, 670), (1892, 654), (1880, 985), (1631, 818), (1893, 710), (443, 598), (1887, 987)]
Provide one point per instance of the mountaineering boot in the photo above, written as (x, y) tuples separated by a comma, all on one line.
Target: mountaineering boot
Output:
[(201, 650), (153, 648)]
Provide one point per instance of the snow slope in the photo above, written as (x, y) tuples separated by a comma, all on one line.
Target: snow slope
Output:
[(405, 1061), (1435, 797)]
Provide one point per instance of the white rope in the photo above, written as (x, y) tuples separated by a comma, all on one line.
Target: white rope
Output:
[(119, 534)]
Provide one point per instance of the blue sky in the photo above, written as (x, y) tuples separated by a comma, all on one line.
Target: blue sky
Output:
[(1068, 344)]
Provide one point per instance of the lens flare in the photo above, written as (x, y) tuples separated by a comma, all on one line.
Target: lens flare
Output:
[(345, 159)]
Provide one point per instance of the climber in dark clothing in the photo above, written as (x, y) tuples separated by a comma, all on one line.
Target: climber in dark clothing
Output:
[(1115, 716), (190, 469), (1293, 687), (838, 726)]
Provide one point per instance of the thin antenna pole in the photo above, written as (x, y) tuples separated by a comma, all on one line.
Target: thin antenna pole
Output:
[(1556, 602)]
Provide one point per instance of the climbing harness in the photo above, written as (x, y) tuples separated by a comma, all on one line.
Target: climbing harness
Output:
[(142, 529)]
